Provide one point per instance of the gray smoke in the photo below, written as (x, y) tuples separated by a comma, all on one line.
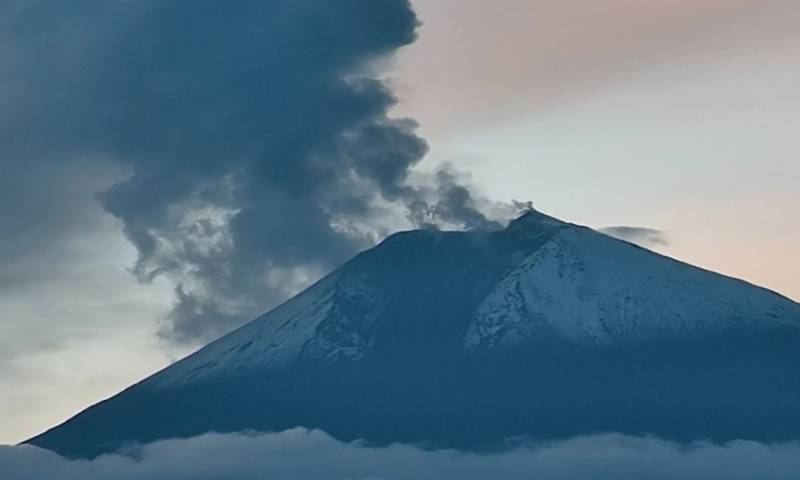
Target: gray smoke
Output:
[(255, 135), (646, 237)]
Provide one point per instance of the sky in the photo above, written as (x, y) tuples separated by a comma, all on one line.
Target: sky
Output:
[(670, 123), (676, 115)]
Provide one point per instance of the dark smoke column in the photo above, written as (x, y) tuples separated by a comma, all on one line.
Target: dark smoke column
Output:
[(255, 134)]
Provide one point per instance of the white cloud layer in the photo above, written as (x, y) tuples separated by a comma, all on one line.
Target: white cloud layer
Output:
[(301, 454)]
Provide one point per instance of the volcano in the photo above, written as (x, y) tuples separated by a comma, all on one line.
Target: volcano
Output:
[(542, 330)]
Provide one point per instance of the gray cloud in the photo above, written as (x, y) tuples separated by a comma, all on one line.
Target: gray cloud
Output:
[(646, 237), (312, 455), (255, 134)]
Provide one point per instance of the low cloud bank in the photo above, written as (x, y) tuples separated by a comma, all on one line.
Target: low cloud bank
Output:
[(301, 454)]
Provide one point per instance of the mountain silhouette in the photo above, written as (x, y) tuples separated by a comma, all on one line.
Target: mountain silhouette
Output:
[(545, 329)]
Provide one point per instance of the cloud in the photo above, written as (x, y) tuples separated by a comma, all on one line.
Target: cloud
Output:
[(305, 455), (646, 237), (255, 137)]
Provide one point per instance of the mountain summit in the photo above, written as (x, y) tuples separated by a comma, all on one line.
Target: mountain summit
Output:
[(464, 339)]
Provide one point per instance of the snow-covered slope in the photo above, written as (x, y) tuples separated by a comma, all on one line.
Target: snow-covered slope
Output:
[(316, 324), (464, 338), (559, 282), (588, 288)]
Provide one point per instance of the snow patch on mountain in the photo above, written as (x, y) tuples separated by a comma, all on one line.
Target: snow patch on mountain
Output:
[(327, 323), (591, 289), (271, 341), (346, 332)]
